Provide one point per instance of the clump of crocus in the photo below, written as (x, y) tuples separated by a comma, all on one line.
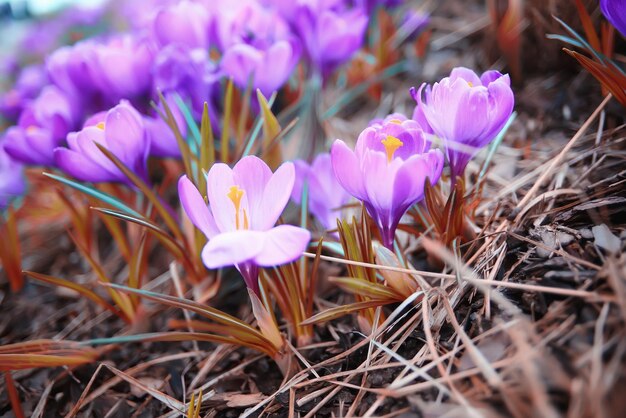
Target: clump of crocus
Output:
[(42, 126), (244, 204), (615, 12), (325, 195), (466, 111), (387, 170), (121, 131), (12, 181)]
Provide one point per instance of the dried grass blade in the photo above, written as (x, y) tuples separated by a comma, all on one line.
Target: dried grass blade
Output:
[(14, 396), (339, 311), (366, 288), (166, 400), (202, 310), (89, 294)]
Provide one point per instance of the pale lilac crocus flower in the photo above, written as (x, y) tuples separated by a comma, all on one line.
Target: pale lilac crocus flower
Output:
[(387, 170), (325, 194), (121, 131), (466, 111), (244, 204)]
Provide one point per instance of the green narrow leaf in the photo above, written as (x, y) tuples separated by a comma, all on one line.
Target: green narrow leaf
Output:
[(207, 149), (228, 105), (101, 196), (257, 129), (271, 129), (191, 123), (182, 144), (146, 190)]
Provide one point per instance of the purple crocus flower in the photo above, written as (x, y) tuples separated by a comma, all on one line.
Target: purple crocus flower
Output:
[(325, 194), (387, 170), (330, 36), (121, 131), (466, 111), (12, 181), (186, 23), (42, 126), (27, 86), (244, 205), (615, 12), (253, 41), (188, 72), (105, 72)]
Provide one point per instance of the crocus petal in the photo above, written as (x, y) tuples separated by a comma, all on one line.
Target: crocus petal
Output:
[(125, 133), (252, 175), (275, 197), (283, 244), (347, 169), (235, 247), (408, 186), (471, 118), (79, 166), (501, 103), (465, 74), (195, 208), (303, 171), (490, 76), (219, 181)]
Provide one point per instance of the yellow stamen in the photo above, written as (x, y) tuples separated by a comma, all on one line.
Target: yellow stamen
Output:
[(245, 220), (100, 125), (235, 194), (31, 129), (396, 121), (391, 144), (469, 83)]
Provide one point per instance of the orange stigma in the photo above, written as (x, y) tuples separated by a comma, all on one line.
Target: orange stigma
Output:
[(391, 144), (235, 194)]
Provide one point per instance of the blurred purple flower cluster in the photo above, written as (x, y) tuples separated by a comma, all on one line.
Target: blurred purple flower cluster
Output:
[(182, 49)]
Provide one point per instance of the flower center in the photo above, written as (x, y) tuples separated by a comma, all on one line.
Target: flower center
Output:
[(235, 194), (469, 83), (31, 129), (100, 125), (391, 144)]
